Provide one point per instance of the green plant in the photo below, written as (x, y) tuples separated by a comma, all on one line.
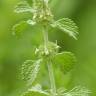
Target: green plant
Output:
[(48, 52)]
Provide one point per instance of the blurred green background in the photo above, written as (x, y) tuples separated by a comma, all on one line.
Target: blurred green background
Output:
[(14, 51)]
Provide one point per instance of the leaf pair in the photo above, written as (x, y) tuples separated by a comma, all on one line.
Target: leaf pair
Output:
[(76, 91), (22, 7), (29, 71), (64, 24), (64, 60)]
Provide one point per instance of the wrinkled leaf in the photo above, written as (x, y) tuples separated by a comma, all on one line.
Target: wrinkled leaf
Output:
[(21, 26), (65, 61), (23, 6), (67, 26), (77, 91), (29, 70)]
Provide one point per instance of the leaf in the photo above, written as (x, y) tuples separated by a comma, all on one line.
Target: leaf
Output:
[(61, 91), (36, 91), (23, 6), (18, 28), (65, 61), (77, 91), (21, 26), (66, 25), (29, 70)]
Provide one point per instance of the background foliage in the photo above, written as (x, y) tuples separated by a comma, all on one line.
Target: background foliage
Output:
[(15, 50)]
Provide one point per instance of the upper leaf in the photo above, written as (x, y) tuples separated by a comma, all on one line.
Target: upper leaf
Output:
[(65, 60), (29, 70), (19, 27), (23, 6), (66, 25)]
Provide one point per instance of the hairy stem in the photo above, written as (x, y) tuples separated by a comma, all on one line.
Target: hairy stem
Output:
[(45, 35), (49, 63), (52, 80)]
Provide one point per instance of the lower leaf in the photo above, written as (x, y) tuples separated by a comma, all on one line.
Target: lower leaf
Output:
[(36, 91), (29, 70)]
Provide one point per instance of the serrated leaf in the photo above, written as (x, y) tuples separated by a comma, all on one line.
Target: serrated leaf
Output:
[(19, 27), (23, 6), (65, 61), (68, 26), (77, 91), (29, 70), (36, 91)]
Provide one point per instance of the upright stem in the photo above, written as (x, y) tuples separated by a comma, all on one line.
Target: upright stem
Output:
[(45, 35), (52, 80), (49, 63)]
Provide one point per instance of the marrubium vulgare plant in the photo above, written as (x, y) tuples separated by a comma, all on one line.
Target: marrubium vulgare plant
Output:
[(48, 52)]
